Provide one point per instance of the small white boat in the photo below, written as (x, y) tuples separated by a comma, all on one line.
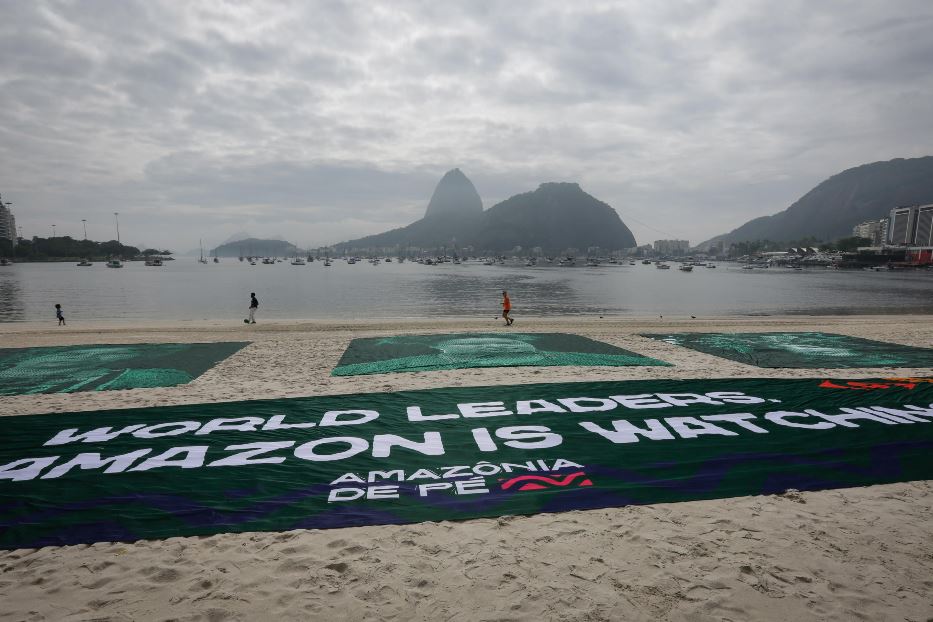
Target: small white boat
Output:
[(685, 267), (298, 261), (6, 262), (154, 262), (114, 263), (662, 266), (85, 262), (710, 265), (327, 263)]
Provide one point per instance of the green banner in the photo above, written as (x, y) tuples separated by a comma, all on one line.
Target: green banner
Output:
[(801, 350), (67, 369), (381, 355), (447, 454)]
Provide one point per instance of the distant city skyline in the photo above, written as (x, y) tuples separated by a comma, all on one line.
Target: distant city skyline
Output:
[(323, 122)]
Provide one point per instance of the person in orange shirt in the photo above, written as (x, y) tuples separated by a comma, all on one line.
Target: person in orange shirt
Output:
[(506, 307)]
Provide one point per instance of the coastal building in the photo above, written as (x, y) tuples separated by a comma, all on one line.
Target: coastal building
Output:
[(911, 225), (924, 232), (899, 225), (671, 247), (7, 222), (874, 230)]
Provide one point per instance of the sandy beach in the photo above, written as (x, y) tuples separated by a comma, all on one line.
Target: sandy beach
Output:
[(854, 553)]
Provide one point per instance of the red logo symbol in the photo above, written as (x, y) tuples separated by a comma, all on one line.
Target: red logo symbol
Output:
[(540, 482), (907, 383)]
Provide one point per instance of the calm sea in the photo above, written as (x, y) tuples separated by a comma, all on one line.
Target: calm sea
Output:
[(187, 290)]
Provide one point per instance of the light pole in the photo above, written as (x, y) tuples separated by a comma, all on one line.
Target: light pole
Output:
[(84, 223), (116, 217), (53, 232)]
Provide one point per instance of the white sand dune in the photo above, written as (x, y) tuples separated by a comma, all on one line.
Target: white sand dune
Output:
[(856, 553)]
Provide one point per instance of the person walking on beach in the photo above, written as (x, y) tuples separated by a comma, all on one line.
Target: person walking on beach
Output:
[(506, 308), (253, 305), (59, 314)]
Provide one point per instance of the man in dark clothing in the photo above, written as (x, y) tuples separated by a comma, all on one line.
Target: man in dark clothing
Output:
[(253, 305)]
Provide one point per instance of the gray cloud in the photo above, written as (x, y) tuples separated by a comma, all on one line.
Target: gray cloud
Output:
[(327, 120)]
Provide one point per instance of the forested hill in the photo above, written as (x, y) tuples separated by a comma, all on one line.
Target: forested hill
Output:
[(834, 207)]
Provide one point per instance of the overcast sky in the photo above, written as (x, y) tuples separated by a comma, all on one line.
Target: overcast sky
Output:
[(320, 122)]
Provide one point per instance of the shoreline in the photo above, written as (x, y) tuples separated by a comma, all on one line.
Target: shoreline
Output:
[(374, 323), (835, 554)]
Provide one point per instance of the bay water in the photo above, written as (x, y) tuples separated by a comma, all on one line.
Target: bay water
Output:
[(187, 290)]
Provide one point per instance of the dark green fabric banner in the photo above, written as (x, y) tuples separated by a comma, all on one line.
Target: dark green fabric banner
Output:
[(801, 350), (381, 355), (67, 369), (449, 454)]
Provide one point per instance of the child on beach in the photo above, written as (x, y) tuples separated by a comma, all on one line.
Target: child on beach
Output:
[(59, 314)]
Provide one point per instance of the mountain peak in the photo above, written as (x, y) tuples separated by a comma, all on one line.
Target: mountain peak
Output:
[(554, 217), (454, 195), (560, 186)]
